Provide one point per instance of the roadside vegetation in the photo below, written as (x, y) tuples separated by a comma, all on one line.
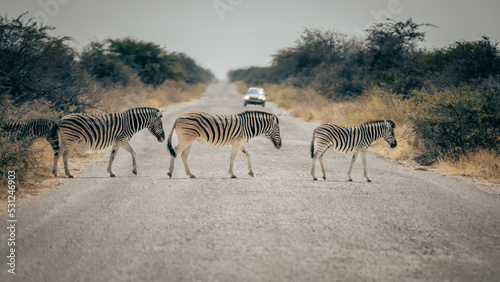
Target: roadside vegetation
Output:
[(41, 76), (445, 102)]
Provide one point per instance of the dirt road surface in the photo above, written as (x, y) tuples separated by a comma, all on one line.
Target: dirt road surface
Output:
[(406, 225)]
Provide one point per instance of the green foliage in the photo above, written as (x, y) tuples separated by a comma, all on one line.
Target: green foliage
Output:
[(461, 62), (121, 61), (105, 67), (457, 120), (193, 74), (153, 64)]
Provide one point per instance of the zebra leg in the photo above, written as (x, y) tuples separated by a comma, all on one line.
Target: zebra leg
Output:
[(235, 148), (320, 159), (172, 160), (313, 169), (363, 159), (56, 148), (354, 156), (171, 168), (319, 152), (66, 154), (128, 148), (245, 151), (56, 159), (112, 158), (184, 157)]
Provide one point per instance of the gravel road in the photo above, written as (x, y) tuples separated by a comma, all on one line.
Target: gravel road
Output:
[(406, 225)]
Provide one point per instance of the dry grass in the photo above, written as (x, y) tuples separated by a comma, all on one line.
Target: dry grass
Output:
[(119, 99), (484, 164), (378, 104)]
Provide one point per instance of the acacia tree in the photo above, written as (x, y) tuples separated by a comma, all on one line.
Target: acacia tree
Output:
[(152, 63), (393, 55)]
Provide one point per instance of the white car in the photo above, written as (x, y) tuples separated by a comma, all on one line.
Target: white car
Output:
[(255, 96)]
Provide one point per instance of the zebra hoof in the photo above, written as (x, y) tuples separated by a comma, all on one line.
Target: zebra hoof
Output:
[(169, 174), (368, 180), (324, 177), (134, 171), (192, 177), (315, 179), (250, 173), (234, 176), (112, 175), (71, 176), (350, 180)]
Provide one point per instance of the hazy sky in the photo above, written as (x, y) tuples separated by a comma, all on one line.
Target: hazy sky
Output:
[(227, 34)]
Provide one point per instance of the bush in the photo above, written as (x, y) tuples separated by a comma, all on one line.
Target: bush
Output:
[(37, 65), (458, 120), (461, 62)]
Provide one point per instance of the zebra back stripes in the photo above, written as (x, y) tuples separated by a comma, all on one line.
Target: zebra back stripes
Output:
[(101, 131), (349, 139), (36, 129), (221, 130)]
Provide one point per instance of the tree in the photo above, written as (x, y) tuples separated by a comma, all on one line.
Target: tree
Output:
[(152, 63), (393, 55), (194, 74), (35, 65), (462, 62), (105, 67)]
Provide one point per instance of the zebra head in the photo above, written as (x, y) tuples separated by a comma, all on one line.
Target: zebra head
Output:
[(389, 133), (272, 131), (155, 126)]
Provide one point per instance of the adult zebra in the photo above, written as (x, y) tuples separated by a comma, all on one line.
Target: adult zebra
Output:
[(33, 130), (221, 130), (347, 139), (101, 131)]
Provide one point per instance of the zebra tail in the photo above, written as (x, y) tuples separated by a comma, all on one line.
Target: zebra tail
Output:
[(169, 142), (312, 144)]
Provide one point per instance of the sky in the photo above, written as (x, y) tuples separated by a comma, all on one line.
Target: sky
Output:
[(229, 34)]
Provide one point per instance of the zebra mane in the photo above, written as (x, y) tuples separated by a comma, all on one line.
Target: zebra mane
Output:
[(379, 121)]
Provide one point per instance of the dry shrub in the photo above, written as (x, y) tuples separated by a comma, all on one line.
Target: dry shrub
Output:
[(173, 92), (483, 164), (120, 99)]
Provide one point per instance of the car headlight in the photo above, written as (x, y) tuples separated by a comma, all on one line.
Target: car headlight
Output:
[(246, 97), (264, 98)]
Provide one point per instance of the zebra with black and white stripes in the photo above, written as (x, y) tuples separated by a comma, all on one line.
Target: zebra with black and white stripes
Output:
[(33, 130), (101, 131), (221, 130), (346, 139)]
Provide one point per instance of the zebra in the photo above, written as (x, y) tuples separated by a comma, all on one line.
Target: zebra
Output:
[(221, 130), (33, 130), (347, 139), (101, 131)]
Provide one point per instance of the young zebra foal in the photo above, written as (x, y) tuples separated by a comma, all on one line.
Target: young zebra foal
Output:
[(101, 131), (221, 130), (33, 130), (346, 139)]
